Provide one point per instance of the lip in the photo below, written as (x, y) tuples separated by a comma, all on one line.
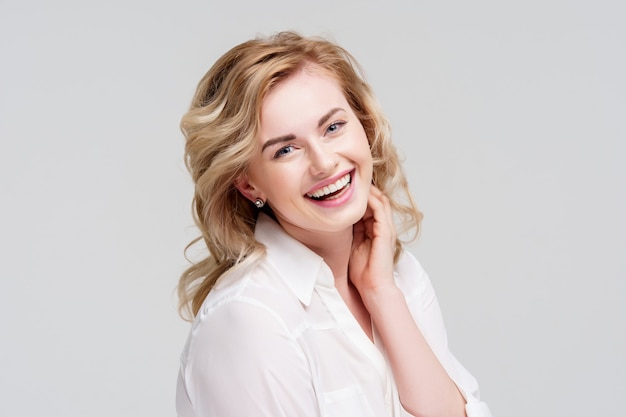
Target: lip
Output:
[(331, 180), (342, 197)]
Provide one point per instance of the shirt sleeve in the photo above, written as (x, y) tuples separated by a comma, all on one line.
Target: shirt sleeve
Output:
[(422, 301), (243, 361)]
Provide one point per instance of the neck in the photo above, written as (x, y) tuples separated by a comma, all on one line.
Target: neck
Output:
[(335, 249)]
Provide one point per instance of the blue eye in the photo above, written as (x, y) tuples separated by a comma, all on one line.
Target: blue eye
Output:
[(283, 151), (334, 127)]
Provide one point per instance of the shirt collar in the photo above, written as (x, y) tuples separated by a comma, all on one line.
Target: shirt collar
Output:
[(298, 266)]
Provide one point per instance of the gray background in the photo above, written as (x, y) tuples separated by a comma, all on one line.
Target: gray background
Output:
[(511, 119)]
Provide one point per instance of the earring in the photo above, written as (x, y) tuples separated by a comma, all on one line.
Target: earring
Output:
[(259, 203)]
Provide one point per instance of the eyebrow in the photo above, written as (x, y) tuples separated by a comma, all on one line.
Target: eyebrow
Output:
[(291, 136), (327, 116)]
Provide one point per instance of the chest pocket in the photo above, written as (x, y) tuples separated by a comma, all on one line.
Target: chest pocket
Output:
[(347, 402)]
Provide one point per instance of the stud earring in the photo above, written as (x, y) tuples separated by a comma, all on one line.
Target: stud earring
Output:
[(259, 203)]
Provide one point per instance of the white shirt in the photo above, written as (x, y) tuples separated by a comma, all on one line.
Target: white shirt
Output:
[(278, 340)]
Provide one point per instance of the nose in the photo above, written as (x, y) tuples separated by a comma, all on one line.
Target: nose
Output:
[(322, 160)]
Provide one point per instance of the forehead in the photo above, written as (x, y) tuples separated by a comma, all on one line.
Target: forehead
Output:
[(306, 92)]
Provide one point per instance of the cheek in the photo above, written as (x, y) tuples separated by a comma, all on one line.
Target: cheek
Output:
[(368, 160), (282, 181), (367, 152)]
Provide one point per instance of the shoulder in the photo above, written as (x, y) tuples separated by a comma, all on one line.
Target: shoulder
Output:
[(247, 294), (248, 306), (241, 322)]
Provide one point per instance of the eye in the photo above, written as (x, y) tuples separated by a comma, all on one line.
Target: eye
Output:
[(334, 127), (283, 151)]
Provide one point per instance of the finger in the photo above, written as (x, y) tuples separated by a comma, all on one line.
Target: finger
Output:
[(381, 205), (375, 201), (388, 211), (358, 233)]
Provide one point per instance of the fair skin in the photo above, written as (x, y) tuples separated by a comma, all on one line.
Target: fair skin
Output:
[(309, 139)]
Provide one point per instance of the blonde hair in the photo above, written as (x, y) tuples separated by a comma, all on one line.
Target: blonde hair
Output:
[(220, 130)]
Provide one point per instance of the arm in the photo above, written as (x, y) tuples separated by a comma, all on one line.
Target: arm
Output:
[(424, 386), (422, 302)]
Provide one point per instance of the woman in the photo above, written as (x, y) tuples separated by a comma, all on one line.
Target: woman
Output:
[(307, 304)]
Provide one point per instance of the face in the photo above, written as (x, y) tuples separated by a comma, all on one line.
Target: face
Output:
[(314, 165)]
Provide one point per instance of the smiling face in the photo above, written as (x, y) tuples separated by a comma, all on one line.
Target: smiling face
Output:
[(313, 166)]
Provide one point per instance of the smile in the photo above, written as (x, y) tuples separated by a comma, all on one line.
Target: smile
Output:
[(331, 191)]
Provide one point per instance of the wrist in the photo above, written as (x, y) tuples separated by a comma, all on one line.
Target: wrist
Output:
[(376, 297)]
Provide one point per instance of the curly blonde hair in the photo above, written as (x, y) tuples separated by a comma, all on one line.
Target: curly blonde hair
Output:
[(220, 130)]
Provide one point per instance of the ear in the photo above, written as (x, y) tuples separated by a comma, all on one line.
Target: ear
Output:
[(246, 189)]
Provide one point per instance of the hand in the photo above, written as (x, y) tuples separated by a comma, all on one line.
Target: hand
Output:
[(374, 238)]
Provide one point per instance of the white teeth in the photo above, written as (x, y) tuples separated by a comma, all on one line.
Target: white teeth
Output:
[(331, 188)]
